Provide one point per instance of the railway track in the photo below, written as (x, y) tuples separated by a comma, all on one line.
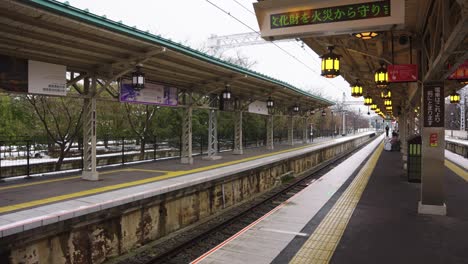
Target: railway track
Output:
[(187, 245)]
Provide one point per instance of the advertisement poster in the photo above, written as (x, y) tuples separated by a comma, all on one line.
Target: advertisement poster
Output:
[(47, 78), (152, 94), (258, 107)]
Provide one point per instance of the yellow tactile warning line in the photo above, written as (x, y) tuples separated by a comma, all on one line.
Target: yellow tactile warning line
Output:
[(457, 170), (54, 180), (321, 245), (167, 175)]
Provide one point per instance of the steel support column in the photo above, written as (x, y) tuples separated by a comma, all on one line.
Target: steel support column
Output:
[(270, 136), (186, 153), (89, 132), (238, 149), (403, 135), (212, 136), (304, 131), (290, 130), (343, 132)]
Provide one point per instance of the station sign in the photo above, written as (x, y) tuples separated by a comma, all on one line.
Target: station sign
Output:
[(258, 107), (434, 104), (300, 18), (402, 73), (34, 77)]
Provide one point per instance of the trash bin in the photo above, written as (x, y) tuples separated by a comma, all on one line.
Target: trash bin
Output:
[(414, 159)]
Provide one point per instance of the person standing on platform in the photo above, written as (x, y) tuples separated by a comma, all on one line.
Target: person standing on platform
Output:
[(386, 130)]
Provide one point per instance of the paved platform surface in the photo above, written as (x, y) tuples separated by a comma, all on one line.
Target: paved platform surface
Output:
[(386, 227), (366, 217)]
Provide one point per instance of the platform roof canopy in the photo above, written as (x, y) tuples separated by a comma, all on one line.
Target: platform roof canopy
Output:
[(435, 30), (54, 32)]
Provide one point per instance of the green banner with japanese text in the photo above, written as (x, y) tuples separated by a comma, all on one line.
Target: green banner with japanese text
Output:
[(331, 14)]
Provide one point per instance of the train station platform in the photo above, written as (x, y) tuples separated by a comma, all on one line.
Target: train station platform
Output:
[(362, 211), (28, 204)]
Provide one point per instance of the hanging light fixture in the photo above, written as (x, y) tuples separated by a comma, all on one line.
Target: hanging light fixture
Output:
[(356, 89), (373, 107), (226, 94), (312, 111), (366, 35), (295, 108), (270, 103), (454, 98), (324, 113), (386, 94), (389, 108), (381, 76), (138, 79), (367, 100), (387, 102), (330, 64)]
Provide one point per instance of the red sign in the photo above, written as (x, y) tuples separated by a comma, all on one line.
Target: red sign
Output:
[(433, 140), (460, 73), (403, 73)]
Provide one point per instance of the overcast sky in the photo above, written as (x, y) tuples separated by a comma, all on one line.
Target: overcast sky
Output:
[(196, 20)]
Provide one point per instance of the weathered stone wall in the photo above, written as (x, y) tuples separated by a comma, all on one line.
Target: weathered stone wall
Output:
[(94, 238)]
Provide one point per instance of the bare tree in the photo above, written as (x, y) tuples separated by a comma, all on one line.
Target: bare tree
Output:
[(140, 118), (61, 118)]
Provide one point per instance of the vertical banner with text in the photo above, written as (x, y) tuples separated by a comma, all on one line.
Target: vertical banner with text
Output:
[(433, 99)]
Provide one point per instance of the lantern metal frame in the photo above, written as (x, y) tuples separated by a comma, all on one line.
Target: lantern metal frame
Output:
[(138, 79), (295, 108), (366, 35), (381, 76), (270, 103), (356, 89), (455, 98), (330, 64), (386, 94), (227, 95), (367, 100)]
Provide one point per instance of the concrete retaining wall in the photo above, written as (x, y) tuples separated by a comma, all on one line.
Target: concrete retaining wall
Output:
[(99, 236)]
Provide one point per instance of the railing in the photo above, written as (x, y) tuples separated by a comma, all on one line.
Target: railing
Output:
[(30, 156)]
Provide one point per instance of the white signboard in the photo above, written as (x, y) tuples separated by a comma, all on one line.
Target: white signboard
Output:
[(46, 78), (258, 107)]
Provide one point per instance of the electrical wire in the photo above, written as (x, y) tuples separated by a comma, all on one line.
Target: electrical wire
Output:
[(254, 30)]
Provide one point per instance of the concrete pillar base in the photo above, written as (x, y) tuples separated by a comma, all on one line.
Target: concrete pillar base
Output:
[(186, 160), (432, 209), (212, 158), (238, 152), (90, 176)]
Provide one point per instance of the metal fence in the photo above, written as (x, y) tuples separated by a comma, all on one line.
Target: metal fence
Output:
[(28, 156)]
